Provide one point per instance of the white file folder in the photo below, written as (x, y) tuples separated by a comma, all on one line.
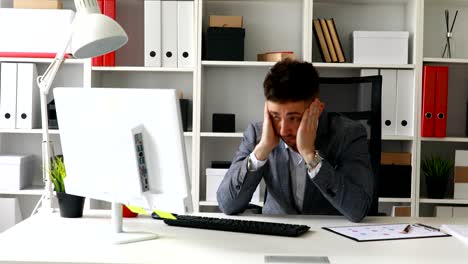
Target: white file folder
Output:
[(8, 95), (152, 33), (389, 81), (169, 33), (185, 54), (27, 97), (404, 103)]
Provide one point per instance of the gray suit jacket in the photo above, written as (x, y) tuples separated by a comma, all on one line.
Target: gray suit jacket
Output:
[(344, 184)]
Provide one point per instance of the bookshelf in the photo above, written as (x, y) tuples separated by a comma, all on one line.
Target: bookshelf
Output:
[(236, 86)]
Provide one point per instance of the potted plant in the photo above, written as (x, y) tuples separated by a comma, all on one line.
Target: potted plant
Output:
[(70, 205), (437, 172)]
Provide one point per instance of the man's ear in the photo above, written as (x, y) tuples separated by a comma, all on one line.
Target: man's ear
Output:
[(321, 105)]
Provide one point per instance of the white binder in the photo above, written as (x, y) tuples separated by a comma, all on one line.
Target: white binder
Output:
[(8, 95), (404, 103), (169, 33), (389, 81), (27, 97), (152, 25), (185, 29)]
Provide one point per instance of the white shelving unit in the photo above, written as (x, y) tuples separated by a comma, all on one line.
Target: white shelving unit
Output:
[(236, 86)]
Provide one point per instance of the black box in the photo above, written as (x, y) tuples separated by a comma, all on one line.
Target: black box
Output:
[(220, 164), (184, 112), (224, 123), (52, 115), (225, 44), (395, 181)]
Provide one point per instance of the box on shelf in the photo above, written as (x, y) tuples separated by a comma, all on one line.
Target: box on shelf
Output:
[(225, 44), (224, 123), (38, 4), (380, 47), (398, 210), (443, 211), (225, 21), (15, 171), (213, 180), (35, 31), (395, 175), (460, 190), (276, 56)]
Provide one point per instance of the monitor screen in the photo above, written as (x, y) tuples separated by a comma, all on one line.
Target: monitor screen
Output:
[(125, 146)]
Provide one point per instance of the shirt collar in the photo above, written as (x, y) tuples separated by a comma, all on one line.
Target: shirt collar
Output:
[(295, 157)]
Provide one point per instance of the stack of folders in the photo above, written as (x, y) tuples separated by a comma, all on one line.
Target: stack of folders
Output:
[(328, 40), (108, 8), (19, 100), (168, 33), (458, 231)]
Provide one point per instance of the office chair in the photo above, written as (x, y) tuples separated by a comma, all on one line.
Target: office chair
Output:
[(373, 117)]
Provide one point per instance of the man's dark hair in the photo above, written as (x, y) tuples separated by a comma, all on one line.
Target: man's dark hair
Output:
[(291, 81)]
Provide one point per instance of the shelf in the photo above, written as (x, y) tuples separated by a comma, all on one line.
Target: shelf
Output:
[(445, 60), (445, 139), (41, 60), (394, 200), (361, 66), (442, 201), (140, 69), (397, 137), (188, 134), (217, 135), (28, 131), (30, 190), (239, 63)]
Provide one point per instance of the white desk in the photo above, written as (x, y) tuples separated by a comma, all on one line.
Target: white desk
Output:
[(52, 239)]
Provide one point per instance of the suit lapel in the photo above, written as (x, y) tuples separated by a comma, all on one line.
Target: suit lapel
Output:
[(284, 175)]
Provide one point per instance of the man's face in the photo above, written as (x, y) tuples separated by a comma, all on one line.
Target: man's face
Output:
[(286, 118)]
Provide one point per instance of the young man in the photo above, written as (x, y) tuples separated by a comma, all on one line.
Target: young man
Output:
[(312, 162)]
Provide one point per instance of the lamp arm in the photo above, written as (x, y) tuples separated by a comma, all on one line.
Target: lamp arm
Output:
[(44, 83)]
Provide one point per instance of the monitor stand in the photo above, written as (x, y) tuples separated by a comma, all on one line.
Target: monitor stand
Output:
[(118, 236)]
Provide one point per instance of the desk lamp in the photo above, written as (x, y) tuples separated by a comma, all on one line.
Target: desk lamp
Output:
[(91, 34)]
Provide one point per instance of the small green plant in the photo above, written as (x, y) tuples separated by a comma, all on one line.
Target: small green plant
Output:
[(436, 167), (58, 174)]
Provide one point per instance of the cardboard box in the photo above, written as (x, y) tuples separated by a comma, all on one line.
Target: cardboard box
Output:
[(401, 210), (380, 47), (395, 158), (225, 21), (15, 171), (276, 56), (38, 4), (460, 189), (213, 180)]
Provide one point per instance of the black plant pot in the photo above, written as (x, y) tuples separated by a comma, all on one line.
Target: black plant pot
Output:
[(71, 206), (436, 187)]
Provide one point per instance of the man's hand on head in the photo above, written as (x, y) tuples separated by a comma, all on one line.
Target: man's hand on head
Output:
[(269, 138), (307, 131)]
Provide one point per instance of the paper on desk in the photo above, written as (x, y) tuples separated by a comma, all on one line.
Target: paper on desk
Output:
[(297, 259), (385, 232)]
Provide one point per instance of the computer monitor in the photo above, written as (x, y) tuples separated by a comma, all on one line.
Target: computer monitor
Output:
[(124, 146)]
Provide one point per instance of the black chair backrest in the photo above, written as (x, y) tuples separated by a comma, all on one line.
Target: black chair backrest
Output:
[(373, 117)]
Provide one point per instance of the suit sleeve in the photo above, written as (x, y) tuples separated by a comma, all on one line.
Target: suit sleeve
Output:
[(238, 185), (350, 184)]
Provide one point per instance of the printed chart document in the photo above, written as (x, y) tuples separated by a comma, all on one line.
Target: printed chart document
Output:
[(363, 233)]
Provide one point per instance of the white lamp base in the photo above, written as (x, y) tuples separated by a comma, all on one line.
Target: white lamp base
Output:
[(130, 237)]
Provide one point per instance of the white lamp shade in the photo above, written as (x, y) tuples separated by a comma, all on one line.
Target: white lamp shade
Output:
[(95, 35)]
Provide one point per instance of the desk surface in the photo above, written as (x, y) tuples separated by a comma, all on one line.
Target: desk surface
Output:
[(51, 239)]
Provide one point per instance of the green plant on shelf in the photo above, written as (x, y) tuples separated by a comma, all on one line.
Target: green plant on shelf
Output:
[(437, 171), (57, 174)]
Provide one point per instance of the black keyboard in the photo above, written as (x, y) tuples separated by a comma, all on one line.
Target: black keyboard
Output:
[(237, 225)]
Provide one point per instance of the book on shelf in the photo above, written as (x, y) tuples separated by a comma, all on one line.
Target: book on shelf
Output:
[(321, 41), (336, 40), (458, 231), (328, 40)]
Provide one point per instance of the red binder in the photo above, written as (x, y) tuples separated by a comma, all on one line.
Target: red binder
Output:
[(428, 101), (110, 11), (98, 61), (441, 97)]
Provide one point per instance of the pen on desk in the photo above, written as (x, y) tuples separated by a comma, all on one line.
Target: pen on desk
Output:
[(406, 229)]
